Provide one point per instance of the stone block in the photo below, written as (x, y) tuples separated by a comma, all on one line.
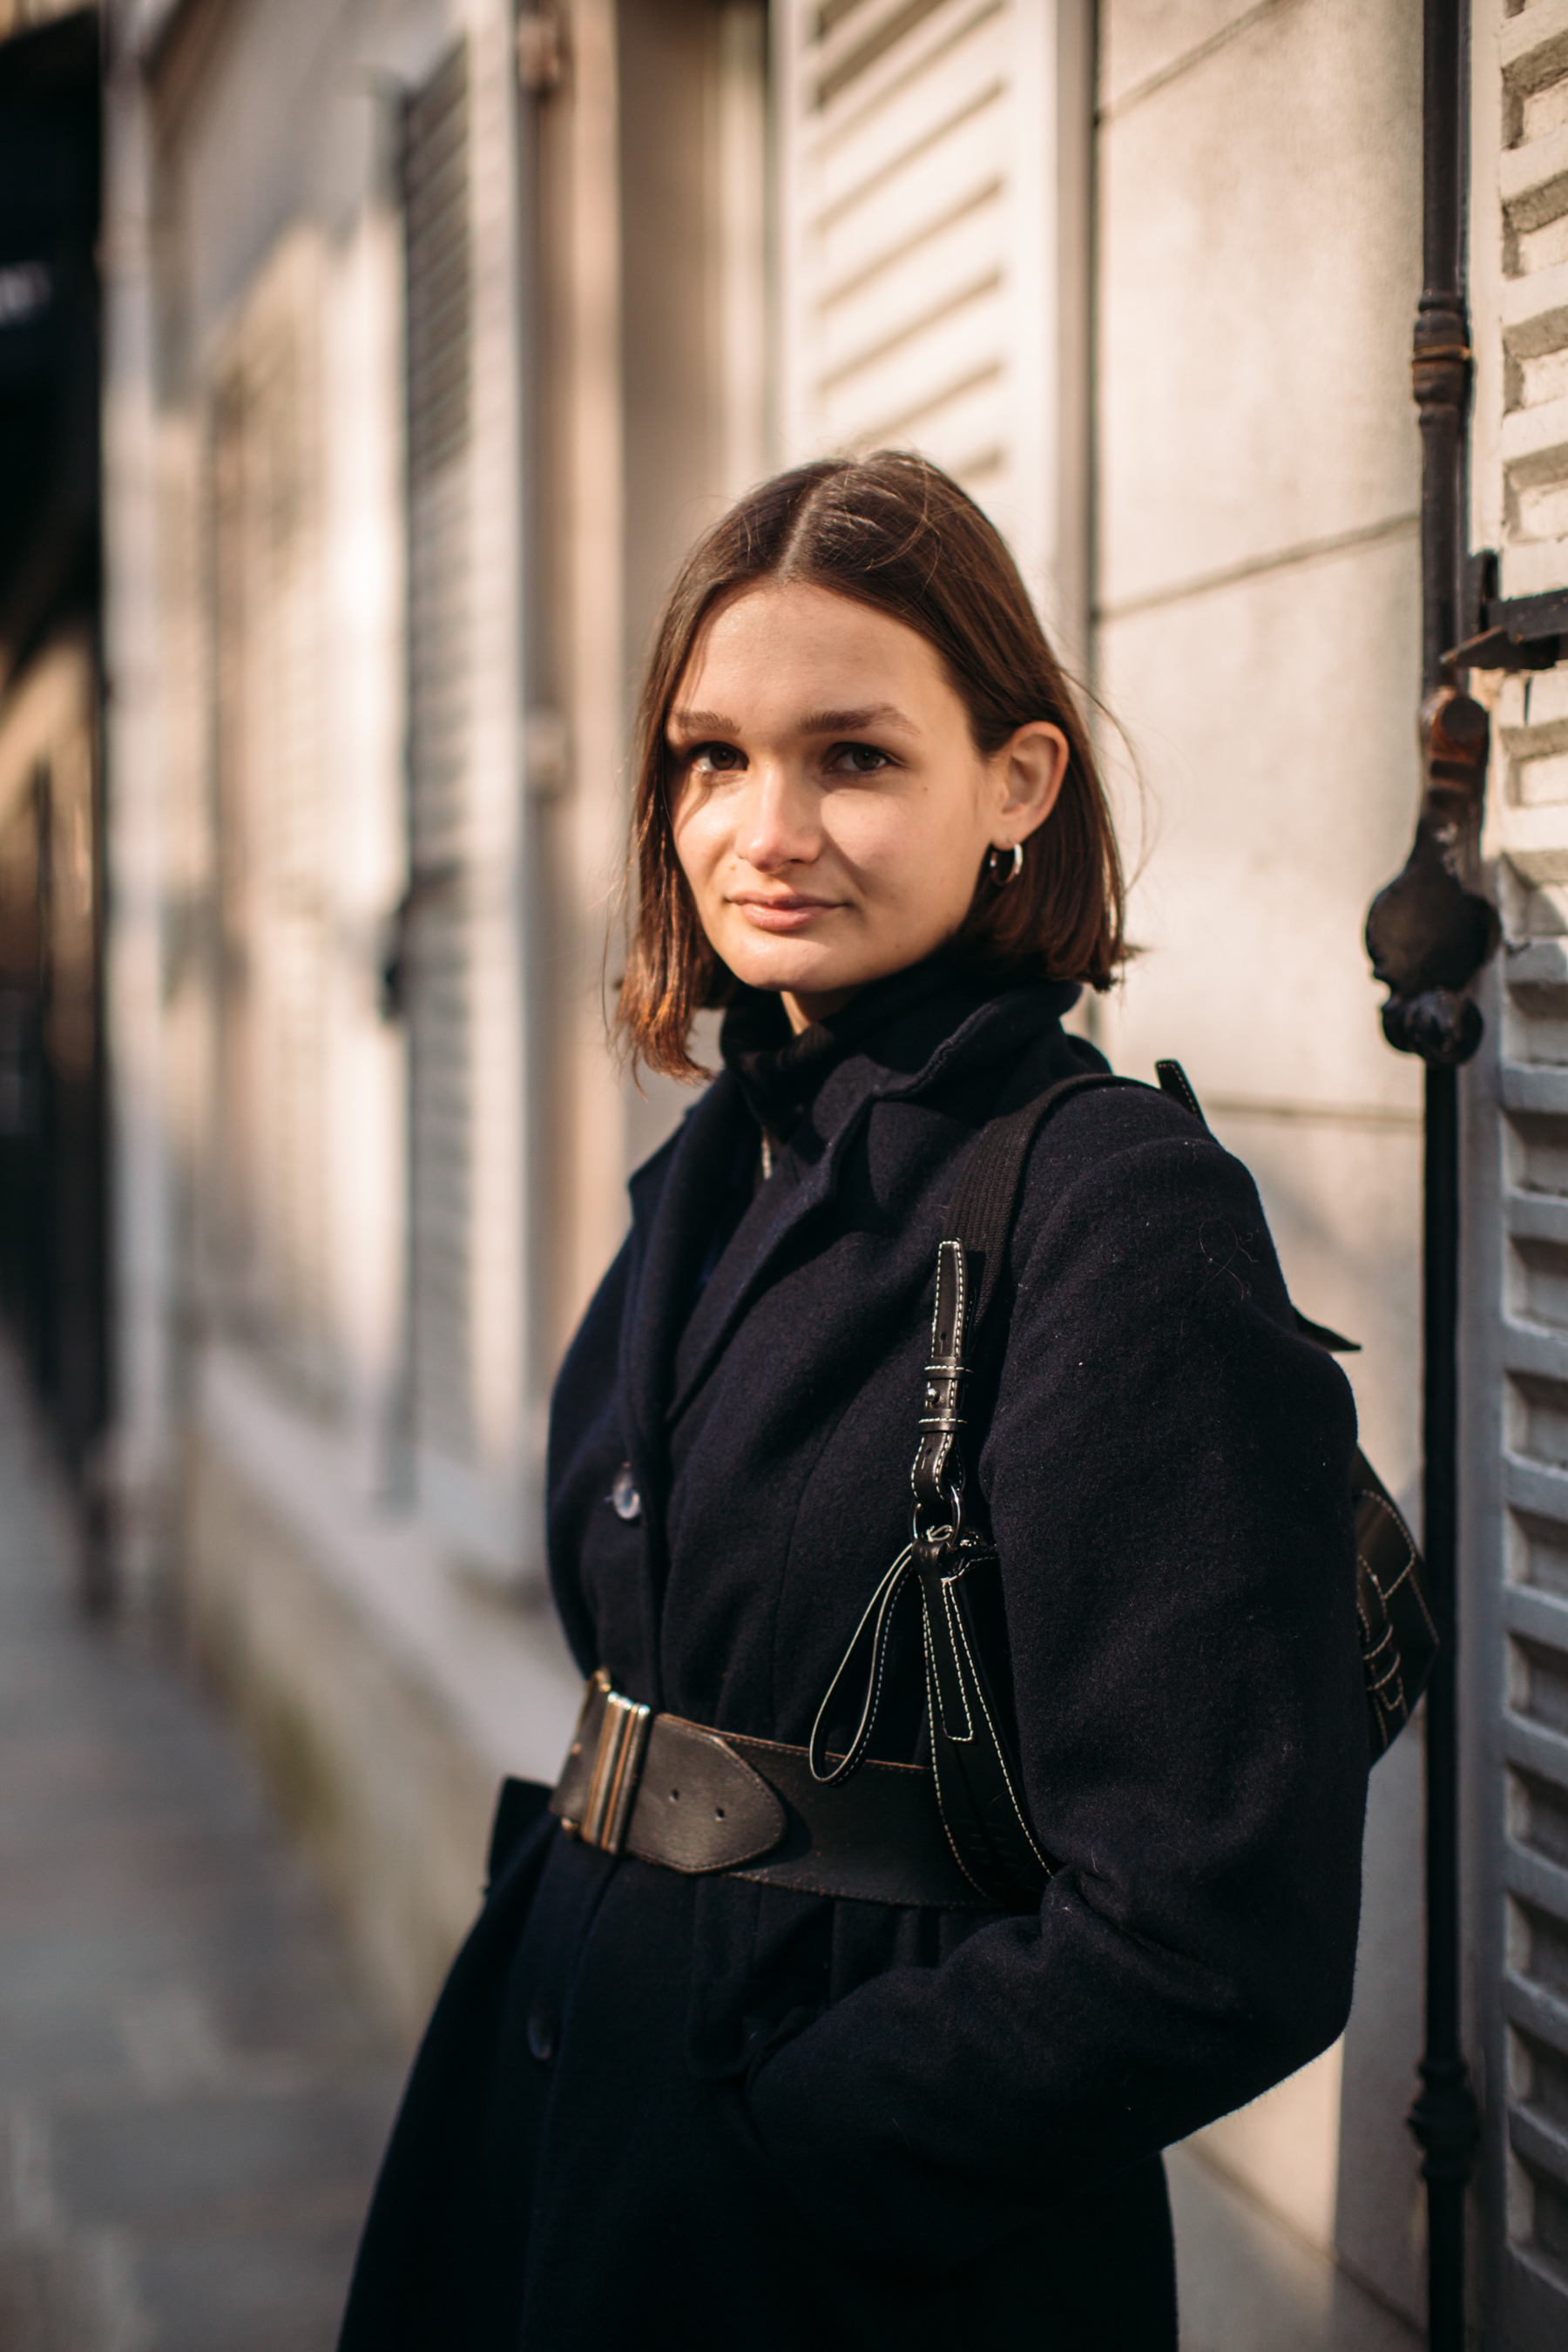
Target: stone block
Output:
[(1273, 725), (1140, 40), (1256, 294)]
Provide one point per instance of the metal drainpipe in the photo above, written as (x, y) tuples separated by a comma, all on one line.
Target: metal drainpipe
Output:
[(1427, 937)]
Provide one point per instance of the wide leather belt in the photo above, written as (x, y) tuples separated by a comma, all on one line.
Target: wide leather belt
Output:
[(697, 1800)]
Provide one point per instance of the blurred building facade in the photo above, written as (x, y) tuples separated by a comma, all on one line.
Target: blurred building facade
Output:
[(434, 333), (51, 1069)]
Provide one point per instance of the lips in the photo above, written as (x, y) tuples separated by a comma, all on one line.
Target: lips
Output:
[(784, 914)]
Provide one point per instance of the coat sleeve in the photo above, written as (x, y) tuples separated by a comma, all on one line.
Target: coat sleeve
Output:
[(1168, 1476)]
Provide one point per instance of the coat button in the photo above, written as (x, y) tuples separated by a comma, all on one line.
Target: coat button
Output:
[(541, 2032), (624, 1494)]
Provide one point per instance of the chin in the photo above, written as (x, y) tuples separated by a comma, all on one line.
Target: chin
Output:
[(788, 971)]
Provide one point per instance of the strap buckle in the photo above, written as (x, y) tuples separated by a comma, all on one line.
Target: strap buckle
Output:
[(617, 1766), (946, 1377)]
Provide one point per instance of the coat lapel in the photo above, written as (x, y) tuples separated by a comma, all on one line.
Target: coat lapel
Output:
[(674, 1200), (676, 1197), (845, 1101)]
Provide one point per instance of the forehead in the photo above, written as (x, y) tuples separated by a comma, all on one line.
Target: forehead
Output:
[(772, 648)]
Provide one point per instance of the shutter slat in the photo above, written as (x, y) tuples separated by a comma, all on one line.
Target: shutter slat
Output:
[(1542, 2143), (1536, 2011), (861, 69), (907, 121), (913, 202), (1534, 1747), (895, 297), (1535, 1615), (1537, 1884), (893, 392)]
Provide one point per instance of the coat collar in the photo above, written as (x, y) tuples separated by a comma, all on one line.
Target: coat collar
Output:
[(954, 1035)]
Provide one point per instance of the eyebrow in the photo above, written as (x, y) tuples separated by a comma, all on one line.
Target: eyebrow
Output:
[(704, 722), (845, 722), (815, 723)]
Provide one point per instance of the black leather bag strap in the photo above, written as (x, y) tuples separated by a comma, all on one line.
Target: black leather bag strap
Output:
[(979, 1784), (985, 1204), (970, 1260)]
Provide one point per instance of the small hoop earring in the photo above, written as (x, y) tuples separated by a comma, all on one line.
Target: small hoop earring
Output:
[(1003, 874)]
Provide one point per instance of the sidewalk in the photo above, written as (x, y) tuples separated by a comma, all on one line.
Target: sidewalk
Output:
[(193, 2099)]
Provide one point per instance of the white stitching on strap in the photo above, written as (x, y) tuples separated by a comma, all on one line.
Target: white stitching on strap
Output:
[(1006, 1775), (958, 1738), (942, 1810)]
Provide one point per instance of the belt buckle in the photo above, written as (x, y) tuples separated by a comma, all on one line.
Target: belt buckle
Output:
[(617, 1767)]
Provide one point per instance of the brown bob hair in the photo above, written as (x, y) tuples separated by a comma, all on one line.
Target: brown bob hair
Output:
[(895, 532)]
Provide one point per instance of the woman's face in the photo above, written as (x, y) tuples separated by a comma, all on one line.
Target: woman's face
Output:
[(830, 809)]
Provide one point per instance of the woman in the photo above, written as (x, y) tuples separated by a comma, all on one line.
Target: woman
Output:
[(684, 2100)]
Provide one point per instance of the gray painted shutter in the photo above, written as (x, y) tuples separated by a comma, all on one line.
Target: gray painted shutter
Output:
[(1522, 466)]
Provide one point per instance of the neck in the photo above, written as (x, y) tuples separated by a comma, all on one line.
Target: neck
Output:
[(802, 1011)]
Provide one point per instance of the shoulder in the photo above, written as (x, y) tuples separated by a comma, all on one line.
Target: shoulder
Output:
[(1141, 1257), (1122, 1183), (1103, 1121), (1106, 1145)]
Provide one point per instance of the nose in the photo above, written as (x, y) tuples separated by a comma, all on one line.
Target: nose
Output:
[(779, 824)]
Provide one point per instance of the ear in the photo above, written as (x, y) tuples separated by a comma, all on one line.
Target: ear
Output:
[(1028, 772)]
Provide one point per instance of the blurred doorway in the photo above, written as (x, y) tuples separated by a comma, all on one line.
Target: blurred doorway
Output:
[(52, 1272)]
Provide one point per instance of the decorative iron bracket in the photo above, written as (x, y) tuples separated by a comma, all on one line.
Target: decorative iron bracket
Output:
[(1428, 936)]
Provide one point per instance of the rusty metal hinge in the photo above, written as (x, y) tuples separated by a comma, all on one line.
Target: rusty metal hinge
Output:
[(1508, 632)]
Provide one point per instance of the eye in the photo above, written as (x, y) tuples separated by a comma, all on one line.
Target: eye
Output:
[(857, 759), (714, 759)]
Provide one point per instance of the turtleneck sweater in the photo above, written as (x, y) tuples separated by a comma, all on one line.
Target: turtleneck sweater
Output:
[(780, 1071)]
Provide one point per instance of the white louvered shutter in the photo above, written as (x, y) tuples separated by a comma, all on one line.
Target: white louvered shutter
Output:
[(435, 978), (269, 745), (1517, 1346), (463, 965), (921, 180)]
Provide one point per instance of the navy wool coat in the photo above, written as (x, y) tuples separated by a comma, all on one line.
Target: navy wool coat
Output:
[(654, 2110)]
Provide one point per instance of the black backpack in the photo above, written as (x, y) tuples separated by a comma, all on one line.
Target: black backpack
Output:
[(968, 1684)]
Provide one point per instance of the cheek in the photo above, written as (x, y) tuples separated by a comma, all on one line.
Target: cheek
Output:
[(923, 856), (692, 832)]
